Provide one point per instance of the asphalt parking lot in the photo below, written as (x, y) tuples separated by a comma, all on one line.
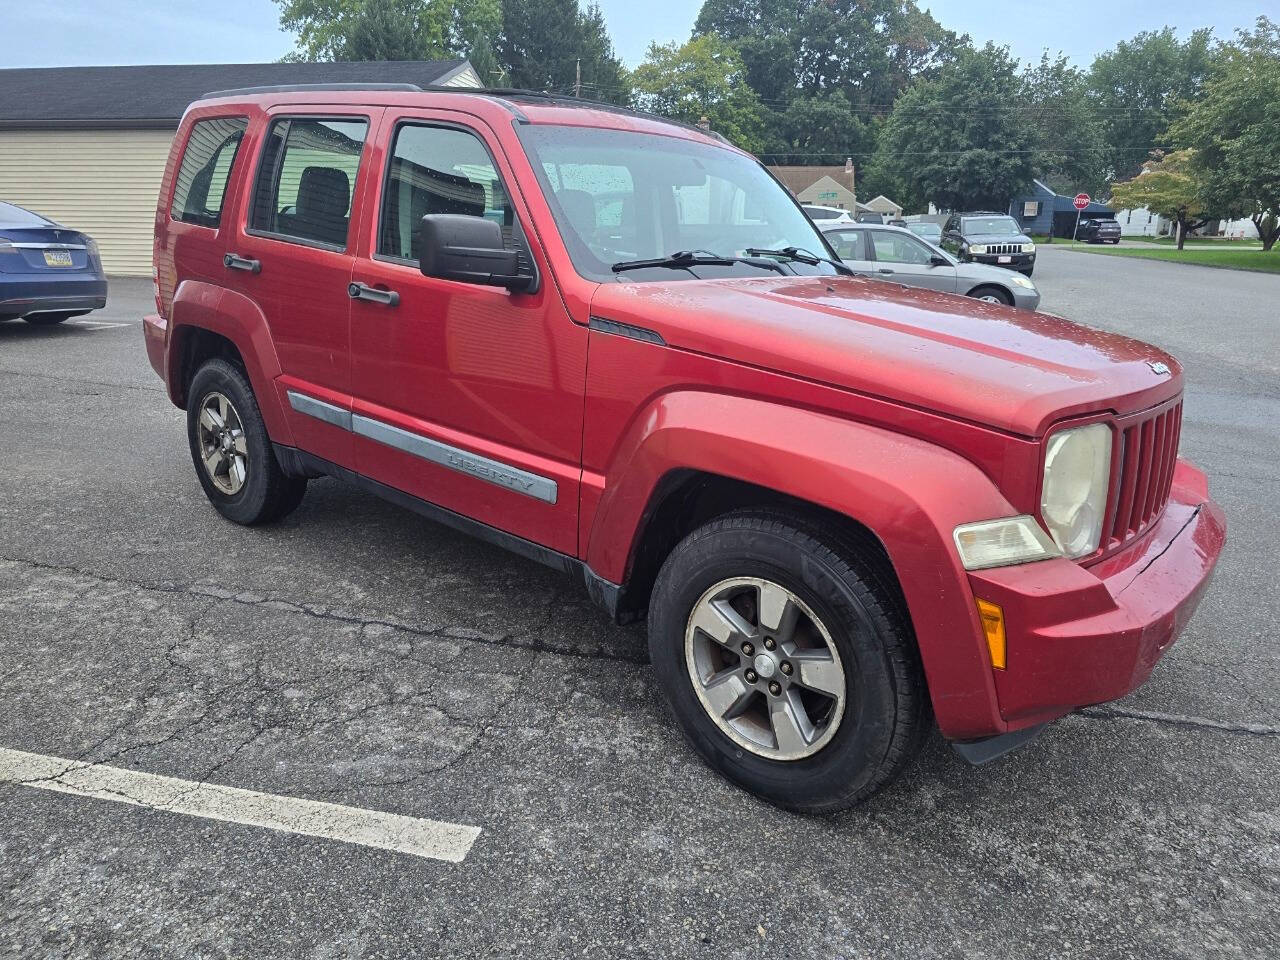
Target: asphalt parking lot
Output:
[(360, 655)]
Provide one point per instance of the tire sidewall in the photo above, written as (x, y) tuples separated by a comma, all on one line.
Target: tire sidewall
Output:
[(850, 761), (219, 376)]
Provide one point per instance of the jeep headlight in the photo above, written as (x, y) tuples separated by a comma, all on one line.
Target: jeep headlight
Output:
[(1000, 543), (1028, 248), (977, 248), (1073, 499)]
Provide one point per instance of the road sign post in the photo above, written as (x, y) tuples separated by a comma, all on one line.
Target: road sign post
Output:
[(1080, 202)]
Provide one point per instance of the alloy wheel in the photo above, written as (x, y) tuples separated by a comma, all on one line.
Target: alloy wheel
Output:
[(224, 448), (765, 668)]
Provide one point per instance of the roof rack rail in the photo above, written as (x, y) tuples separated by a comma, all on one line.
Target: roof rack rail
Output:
[(312, 87)]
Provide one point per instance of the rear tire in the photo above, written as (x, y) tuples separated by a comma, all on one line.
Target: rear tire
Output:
[(849, 642), (992, 295), (49, 319), (231, 450)]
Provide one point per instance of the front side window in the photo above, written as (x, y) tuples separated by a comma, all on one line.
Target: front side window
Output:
[(305, 179), (439, 170), (620, 196), (900, 248), (201, 183)]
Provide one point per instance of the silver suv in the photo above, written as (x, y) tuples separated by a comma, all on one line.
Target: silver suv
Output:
[(890, 253)]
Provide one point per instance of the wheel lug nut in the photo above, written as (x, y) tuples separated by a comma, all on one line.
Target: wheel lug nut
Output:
[(774, 687), (751, 676), (768, 643), (748, 649), (785, 666)]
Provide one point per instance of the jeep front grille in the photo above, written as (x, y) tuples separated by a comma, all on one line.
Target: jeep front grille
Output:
[(1143, 474)]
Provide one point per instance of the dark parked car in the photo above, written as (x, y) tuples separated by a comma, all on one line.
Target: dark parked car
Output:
[(871, 218), (1099, 231), (47, 272), (993, 238)]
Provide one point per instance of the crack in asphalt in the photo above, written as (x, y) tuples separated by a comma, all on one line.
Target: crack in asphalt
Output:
[(1180, 720), (78, 381), (519, 639)]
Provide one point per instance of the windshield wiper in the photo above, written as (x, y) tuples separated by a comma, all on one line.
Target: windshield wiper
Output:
[(694, 258), (798, 255)]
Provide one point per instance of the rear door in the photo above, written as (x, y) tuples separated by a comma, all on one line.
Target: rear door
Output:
[(466, 396), (851, 247), (292, 255), (902, 256)]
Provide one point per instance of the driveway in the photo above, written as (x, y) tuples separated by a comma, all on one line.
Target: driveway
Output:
[(363, 657)]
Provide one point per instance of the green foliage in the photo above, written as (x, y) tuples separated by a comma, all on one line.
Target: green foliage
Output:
[(1071, 151), (543, 40), (953, 139), (1168, 186), (368, 29), (703, 77), (1234, 129), (822, 128), (1137, 86)]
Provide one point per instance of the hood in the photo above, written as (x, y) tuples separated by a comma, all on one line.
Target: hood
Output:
[(996, 238), (1011, 369)]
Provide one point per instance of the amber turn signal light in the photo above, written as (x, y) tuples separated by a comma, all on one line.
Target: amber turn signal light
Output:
[(992, 618)]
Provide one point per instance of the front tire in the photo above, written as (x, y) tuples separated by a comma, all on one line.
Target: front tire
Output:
[(231, 449), (992, 295), (787, 660)]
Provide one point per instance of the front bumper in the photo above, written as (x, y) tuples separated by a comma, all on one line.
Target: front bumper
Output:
[(1015, 261), (1025, 299), (1083, 635), (21, 297)]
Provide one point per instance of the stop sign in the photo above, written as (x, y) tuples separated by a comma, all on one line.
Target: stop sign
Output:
[(1081, 201)]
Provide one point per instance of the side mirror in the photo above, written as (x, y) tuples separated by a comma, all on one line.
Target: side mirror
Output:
[(937, 261), (468, 249)]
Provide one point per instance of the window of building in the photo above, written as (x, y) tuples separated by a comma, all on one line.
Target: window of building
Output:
[(202, 177), (305, 179), (438, 170)]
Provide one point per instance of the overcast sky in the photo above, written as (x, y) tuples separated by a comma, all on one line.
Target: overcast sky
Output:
[(41, 33)]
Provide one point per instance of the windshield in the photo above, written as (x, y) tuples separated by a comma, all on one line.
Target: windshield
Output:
[(620, 196), (992, 226), (15, 216), (930, 231)]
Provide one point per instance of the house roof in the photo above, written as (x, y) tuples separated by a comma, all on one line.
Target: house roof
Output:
[(796, 179), (157, 96)]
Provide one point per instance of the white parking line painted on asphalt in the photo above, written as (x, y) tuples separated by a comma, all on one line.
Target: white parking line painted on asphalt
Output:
[(312, 818), (97, 324)]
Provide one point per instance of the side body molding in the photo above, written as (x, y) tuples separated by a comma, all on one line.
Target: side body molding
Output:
[(910, 493)]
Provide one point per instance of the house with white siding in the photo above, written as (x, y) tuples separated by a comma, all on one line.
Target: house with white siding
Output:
[(86, 146)]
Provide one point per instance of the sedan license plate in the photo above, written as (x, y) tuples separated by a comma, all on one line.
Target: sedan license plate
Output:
[(57, 258), (1004, 259)]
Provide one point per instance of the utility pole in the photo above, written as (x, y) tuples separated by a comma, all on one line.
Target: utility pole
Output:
[(577, 78)]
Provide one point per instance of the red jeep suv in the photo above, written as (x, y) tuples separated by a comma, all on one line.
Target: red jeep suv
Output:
[(616, 345)]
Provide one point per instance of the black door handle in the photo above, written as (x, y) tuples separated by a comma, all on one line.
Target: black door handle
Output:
[(885, 270), (362, 291), (233, 261)]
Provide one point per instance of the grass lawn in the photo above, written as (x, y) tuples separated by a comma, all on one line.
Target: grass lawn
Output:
[(1222, 243), (1268, 262)]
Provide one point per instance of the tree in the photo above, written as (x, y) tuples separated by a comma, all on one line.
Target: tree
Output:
[(824, 128), (1234, 129), (474, 33), (957, 138), (544, 41), (704, 77), (368, 29), (1070, 151), (1167, 186), (1135, 89)]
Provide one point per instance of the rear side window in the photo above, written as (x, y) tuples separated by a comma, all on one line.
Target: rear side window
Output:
[(206, 166), (849, 244), (305, 179), (439, 170)]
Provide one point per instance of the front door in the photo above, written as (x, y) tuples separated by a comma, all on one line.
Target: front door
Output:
[(466, 396), (904, 258), (292, 257)]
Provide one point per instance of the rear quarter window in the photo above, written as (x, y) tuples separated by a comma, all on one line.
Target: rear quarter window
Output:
[(201, 184)]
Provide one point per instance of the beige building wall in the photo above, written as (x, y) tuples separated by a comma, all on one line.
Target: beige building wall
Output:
[(102, 182)]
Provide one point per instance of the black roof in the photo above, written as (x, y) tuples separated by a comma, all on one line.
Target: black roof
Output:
[(156, 96)]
